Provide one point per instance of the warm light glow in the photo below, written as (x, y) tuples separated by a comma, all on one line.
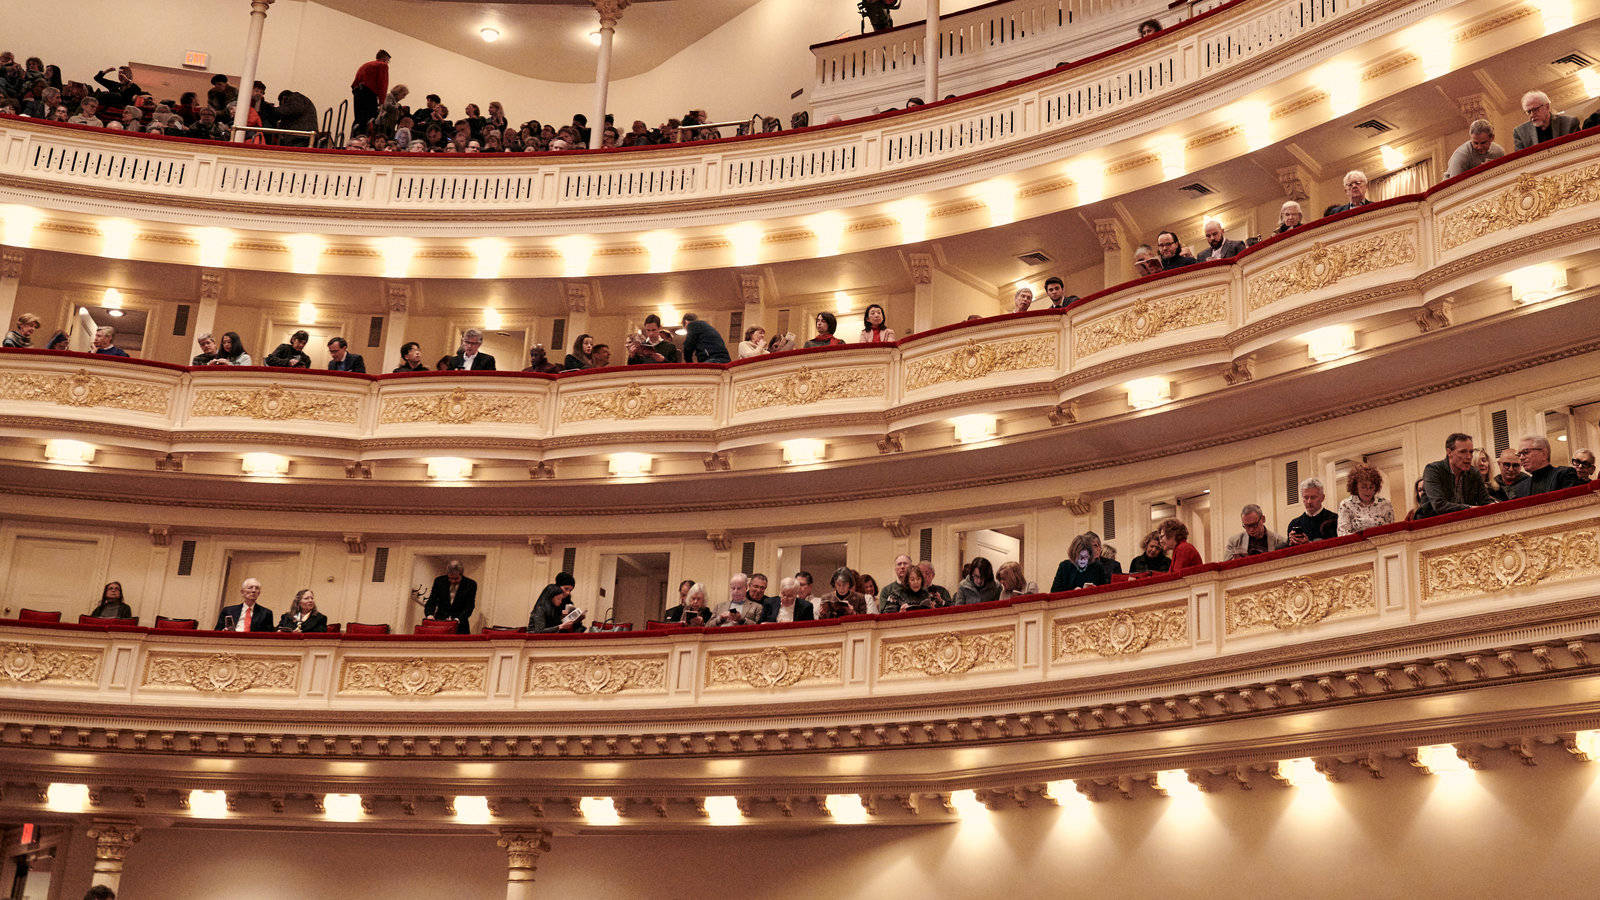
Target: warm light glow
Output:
[(1207, 220), (20, 221), (342, 807), (397, 253), (1589, 78), (1343, 82), (575, 251), (913, 218), (967, 805), (1588, 744), (1392, 158), (662, 246), (264, 465), (974, 428), (804, 451), (841, 302), (214, 244), (846, 809), (305, 253), (449, 468), (308, 312), (489, 34), (1065, 793), (1533, 284), (1171, 152), (473, 810), (1146, 393), (1330, 343), (829, 229), (1255, 119), (1301, 773), (1442, 759), (599, 811), (68, 453), (1557, 14), (631, 465), (66, 798), (1433, 42), (724, 810), (594, 38), (1175, 783), (208, 804), (116, 238), (111, 299), (1090, 179), (492, 320), (491, 254), (1001, 198), (746, 240)]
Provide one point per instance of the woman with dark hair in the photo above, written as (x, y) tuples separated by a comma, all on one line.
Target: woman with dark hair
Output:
[(554, 610), (873, 328), (913, 593), (754, 343), (112, 604), (231, 351), (979, 585), (1012, 582), (1364, 509), (303, 615), (827, 324), (1081, 568), (1152, 560), (582, 355), (845, 600), (867, 587), (1175, 540)]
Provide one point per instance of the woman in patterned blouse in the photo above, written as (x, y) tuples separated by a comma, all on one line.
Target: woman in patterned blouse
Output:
[(1364, 509)]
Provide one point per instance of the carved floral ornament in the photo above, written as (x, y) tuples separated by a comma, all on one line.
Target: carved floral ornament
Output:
[(224, 673), (597, 675), (1528, 199), (1509, 561), (774, 667), (32, 663), (811, 385), (979, 359), (1298, 602), (1121, 632), (635, 402), (1146, 319), (412, 677), (84, 390), (462, 407), (1325, 265), (274, 403), (950, 653)]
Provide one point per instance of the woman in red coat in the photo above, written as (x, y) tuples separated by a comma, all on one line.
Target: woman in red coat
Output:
[(1175, 540)]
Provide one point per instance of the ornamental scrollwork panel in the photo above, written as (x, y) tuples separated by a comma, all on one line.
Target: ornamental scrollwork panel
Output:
[(1509, 561), (1146, 319), (1528, 199), (413, 677), (461, 407), (774, 667), (590, 675), (80, 389), (28, 663), (636, 402), (950, 653), (274, 403), (1298, 602), (977, 359), (1325, 265), (811, 385), (1122, 632), (221, 673)]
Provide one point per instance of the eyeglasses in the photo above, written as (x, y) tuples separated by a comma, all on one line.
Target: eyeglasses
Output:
[(1511, 465), (1530, 110)]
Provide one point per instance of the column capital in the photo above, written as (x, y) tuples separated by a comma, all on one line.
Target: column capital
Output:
[(211, 281), (1109, 233), (578, 295), (1293, 180), (259, 6), (750, 288), (112, 838), (11, 262), (397, 296), (522, 846), (921, 267), (610, 11), (1474, 107)]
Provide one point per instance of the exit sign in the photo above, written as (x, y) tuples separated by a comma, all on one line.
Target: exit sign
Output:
[(196, 59)]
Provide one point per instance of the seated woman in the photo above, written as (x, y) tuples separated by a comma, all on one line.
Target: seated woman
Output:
[(827, 324), (231, 351), (303, 615), (27, 324), (844, 599), (867, 586), (1419, 498), (754, 343), (582, 355), (411, 358), (1022, 300), (112, 604), (1080, 568), (873, 329), (913, 593), (1012, 582), (1175, 540), (538, 361), (979, 586), (691, 608), (1152, 560), (554, 610), (1364, 509)]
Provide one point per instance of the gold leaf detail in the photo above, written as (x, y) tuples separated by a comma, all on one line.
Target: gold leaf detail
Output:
[(1325, 265), (31, 663), (811, 386), (1518, 560), (1298, 602), (223, 673), (949, 653), (774, 667), (461, 407), (635, 402), (1146, 319), (412, 677), (276, 404), (597, 675), (1120, 633), (979, 359), (84, 390), (1528, 199)]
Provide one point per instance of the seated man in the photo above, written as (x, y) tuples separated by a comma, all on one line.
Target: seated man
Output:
[(342, 360), (247, 615), (1355, 189), (1500, 485), (751, 607), (469, 359), (103, 337), (1172, 255), (1145, 261), (208, 350), (1534, 451), (789, 606), (1583, 464), (1453, 483), (291, 355), (1317, 522), (657, 346), (1221, 247), (1542, 125), (1255, 538), (939, 592), (1479, 149), (891, 592), (453, 598), (1290, 217), (1056, 290)]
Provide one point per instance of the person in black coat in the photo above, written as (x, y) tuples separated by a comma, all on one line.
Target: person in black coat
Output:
[(291, 355), (1541, 477), (453, 597), (112, 604), (551, 610), (1453, 483), (469, 359), (788, 595), (702, 343), (1171, 250), (1080, 568), (342, 360), (249, 611), (303, 615), (692, 609)]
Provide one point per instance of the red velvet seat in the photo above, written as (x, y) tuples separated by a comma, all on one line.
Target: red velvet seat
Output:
[(102, 620), (165, 624), (39, 615), (654, 625), (429, 626), (335, 628), (360, 628)]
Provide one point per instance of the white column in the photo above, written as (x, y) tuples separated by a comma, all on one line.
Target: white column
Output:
[(930, 54), (252, 56), (11, 263), (205, 318), (397, 297), (922, 292), (522, 846), (111, 843), (610, 11)]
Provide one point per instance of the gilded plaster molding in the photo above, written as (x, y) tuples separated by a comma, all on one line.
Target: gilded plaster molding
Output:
[(1120, 633), (635, 402), (980, 359), (812, 385), (597, 674), (276, 404), (1325, 265), (1145, 319), (29, 663), (772, 667), (1509, 561), (1298, 602), (1528, 199), (222, 673), (462, 407), (415, 677), (948, 653), (80, 389)]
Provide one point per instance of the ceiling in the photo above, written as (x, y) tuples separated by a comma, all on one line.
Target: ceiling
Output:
[(548, 39)]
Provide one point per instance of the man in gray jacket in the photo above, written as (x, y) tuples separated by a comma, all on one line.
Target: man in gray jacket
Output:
[(1255, 538), (1543, 124)]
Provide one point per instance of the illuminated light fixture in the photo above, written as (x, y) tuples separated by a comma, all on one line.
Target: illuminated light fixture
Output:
[(1090, 179), (724, 810), (489, 34), (1343, 81), (1175, 783), (974, 428), (209, 804), (841, 302), (308, 311), (829, 229), (1533, 284), (746, 240), (1331, 343), (846, 809), (491, 254), (66, 798), (913, 218), (342, 807), (111, 299), (630, 465), (804, 451), (967, 805), (1065, 793), (305, 253), (1255, 118), (1148, 393), (1301, 773), (65, 452), (594, 38), (1589, 78), (1392, 158), (1557, 14), (116, 238), (1432, 42), (1170, 150), (214, 244), (492, 320), (397, 253), (575, 250), (1442, 759), (1001, 198), (1587, 745), (114, 313), (662, 246), (449, 468), (473, 810), (264, 465), (20, 222), (599, 811)]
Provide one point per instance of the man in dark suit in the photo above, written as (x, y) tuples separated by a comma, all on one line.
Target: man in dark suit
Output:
[(1453, 483), (1355, 191), (342, 359), (454, 597), (701, 342), (1540, 477), (1543, 124), (788, 606), (1171, 250), (469, 359), (1221, 247), (248, 615)]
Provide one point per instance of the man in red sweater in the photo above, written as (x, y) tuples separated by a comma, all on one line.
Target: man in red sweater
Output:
[(367, 90)]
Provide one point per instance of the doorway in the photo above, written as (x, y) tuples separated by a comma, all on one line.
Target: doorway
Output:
[(278, 571), (425, 567), (510, 349), (998, 545), (635, 587), (819, 559)]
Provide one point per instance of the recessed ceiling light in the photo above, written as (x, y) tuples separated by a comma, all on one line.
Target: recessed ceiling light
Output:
[(489, 35)]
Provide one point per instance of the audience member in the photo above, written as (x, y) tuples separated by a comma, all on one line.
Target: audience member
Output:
[(1172, 255), (303, 615), (1056, 290), (1012, 581), (1106, 556), (1080, 568), (979, 586), (291, 355), (207, 127), (1534, 451), (1290, 217), (1220, 247), (1484, 465), (877, 13), (788, 606), (582, 355), (804, 582), (1145, 261), (1419, 498), (827, 323), (1452, 483), (1317, 522), (691, 608), (867, 586), (701, 342), (112, 605), (208, 350), (221, 93), (1022, 299), (538, 361), (657, 345), (737, 585), (910, 592), (1478, 149), (1363, 509), (1355, 191), (874, 329), (1152, 559), (1175, 541), (27, 324), (246, 615), (754, 604), (902, 564), (411, 358), (937, 591), (103, 342), (754, 343), (843, 599), (122, 91), (370, 85), (231, 351), (100, 892), (453, 597), (554, 611), (86, 113), (341, 359), (1149, 27), (296, 112), (58, 341), (1499, 486), (1543, 124), (468, 358), (1583, 464), (1255, 538), (602, 356)]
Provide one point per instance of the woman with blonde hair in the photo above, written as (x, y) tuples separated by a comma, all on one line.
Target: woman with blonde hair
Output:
[(27, 324)]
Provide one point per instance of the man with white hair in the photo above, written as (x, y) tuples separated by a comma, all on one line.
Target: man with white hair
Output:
[(1540, 476), (789, 606), (1479, 149), (1355, 190), (1255, 538), (103, 338), (1543, 124), (469, 359), (247, 615), (1317, 522)]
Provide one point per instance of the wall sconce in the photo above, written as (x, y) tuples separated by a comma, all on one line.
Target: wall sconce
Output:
[(599, 811), (723, 810), (1442, 759), (64, 452), (1331, 343), (491, 254), (209, 804), (342, 807), (630, 465), (305, 252), (746, 240), (967, 805), (974, 428), (1175, 783), (846, 809), (308, 312), (473, 810), (1147, 393), (66, 798), (264, 465), (449, 468), (396, 253), (1392, 158), (1533, 284), (804, 451)]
